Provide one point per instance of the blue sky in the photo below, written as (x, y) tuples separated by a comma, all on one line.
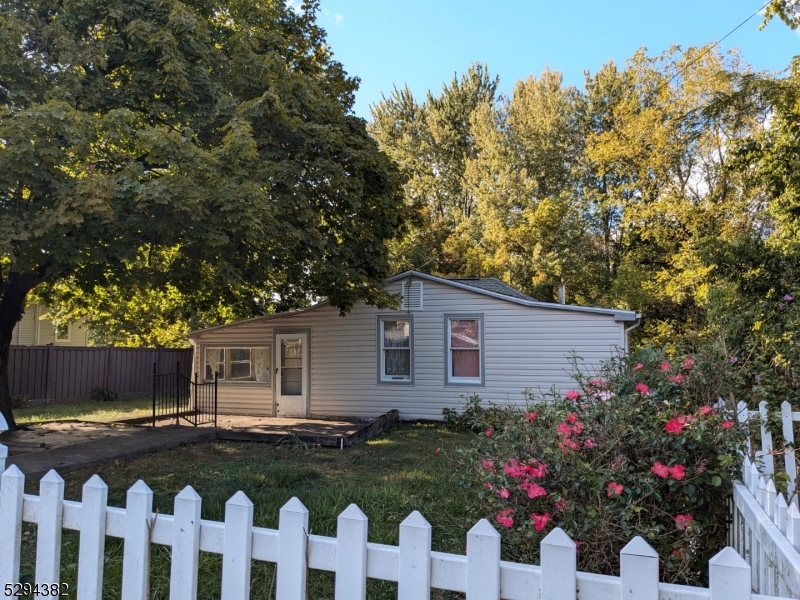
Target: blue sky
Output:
[(394, 42)]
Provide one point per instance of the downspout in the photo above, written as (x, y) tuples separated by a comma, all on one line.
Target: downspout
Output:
[(631, 328)]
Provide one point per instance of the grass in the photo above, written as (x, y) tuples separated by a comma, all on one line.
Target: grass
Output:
[(86, 411), (387, 477)]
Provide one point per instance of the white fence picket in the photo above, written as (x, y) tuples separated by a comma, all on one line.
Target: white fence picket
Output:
[(185, 545), (292, 555), (12, 489), (136, 553), (481, 573), (48, 533), (351, 554), (729, 576), (787, 426), (766, 440), (793, 526), (414, 581), (639, 571), (91, 551), (3, 456), (483, 562), (237, 553), (770, 493), (559, 561), (780, 513)]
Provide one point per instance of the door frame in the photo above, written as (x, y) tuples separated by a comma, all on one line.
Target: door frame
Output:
[(277, 356)]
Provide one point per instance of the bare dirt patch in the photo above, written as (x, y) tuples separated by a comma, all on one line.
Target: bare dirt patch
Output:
[(60, 434)]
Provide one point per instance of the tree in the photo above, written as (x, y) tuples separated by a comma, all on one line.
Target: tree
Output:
[(432, 143), (220, 130)]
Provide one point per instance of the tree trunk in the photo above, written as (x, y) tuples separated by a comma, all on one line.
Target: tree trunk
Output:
[(12, 304)]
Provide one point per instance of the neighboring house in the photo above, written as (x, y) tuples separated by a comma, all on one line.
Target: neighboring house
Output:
[(450, 339), (36, 329)]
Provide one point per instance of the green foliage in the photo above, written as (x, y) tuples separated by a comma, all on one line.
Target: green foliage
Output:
[(631, 451), (104, 395), (219, 135)]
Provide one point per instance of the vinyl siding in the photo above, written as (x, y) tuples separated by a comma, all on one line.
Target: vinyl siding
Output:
[(33, 330), (525, 348)]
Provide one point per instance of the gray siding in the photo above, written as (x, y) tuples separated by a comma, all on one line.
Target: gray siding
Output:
[(525, 347)]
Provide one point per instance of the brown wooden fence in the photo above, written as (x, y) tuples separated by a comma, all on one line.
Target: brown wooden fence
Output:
[(61, 372)]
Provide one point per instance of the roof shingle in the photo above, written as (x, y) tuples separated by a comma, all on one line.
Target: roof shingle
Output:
[(492, 284)]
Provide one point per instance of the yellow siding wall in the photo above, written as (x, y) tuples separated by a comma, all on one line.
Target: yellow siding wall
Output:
[(35, 329)]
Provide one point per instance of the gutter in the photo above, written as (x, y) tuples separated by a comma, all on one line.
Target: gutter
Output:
[(631, 328)]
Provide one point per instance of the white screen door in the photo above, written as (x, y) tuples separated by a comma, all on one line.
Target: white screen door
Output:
[(291, 381)]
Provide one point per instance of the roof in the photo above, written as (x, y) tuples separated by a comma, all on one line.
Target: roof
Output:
[(489, 286), (518, 297), (493, 284)]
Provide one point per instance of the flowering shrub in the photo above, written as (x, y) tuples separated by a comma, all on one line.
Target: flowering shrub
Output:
[(635, 450)]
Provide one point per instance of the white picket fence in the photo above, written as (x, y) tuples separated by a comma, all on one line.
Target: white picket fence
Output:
[(480, 575), (766, 527)]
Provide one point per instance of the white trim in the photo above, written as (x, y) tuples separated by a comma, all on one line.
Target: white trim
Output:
[(450, 380), (382, 377)]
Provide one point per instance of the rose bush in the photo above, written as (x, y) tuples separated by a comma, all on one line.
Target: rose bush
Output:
[(636, 449)]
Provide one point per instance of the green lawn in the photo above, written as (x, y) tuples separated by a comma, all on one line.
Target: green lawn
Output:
[(388, 477), (86, 411)]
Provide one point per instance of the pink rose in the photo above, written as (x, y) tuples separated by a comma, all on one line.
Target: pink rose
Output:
[(540, 521), (660, 470)]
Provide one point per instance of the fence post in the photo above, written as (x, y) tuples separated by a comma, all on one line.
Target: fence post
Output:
[(761, 491), (12, 487), (48, 531), (638, 571), (136, 555), (292, 555), (559, 565), (483, 562), (414, 581), (788, 438), (237, 549), (91, 551), (3, 449), (766, 439), (793, 525), (729, 576), (50, 372), (185, 545), (155, 379), (351, 554)]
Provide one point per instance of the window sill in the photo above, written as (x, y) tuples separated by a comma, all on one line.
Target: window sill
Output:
[(465, 383), (395, 382)]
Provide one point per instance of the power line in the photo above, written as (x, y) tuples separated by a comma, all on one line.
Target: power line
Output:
[(711, 47)]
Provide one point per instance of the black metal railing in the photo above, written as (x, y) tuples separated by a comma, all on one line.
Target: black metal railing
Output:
[(177, 397)]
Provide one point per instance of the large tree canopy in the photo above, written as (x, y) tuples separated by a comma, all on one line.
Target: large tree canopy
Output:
[(206, 146)]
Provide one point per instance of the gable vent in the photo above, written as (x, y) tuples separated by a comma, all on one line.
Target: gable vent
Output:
[(412, 295)]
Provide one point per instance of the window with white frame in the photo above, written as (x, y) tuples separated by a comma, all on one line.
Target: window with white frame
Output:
[(464, 341), (238, 364), (62, 332), (395, 341)]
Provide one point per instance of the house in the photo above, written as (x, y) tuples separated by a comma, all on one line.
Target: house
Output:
[(37, 329), (451, 338)]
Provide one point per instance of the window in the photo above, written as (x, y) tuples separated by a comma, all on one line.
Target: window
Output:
[(464, 342), (237, 364), (62, 332), (395, 349)]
